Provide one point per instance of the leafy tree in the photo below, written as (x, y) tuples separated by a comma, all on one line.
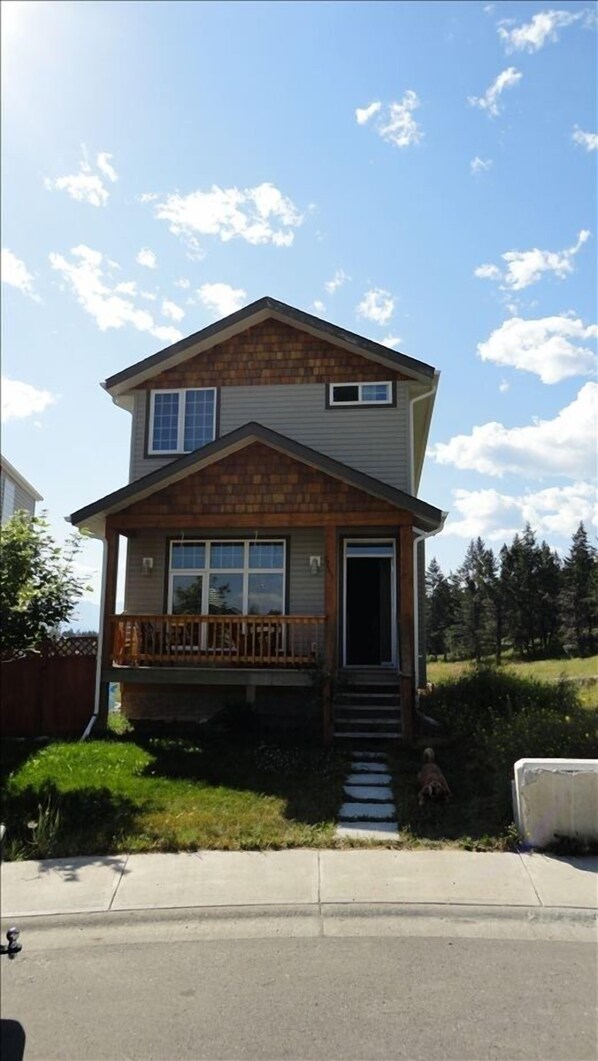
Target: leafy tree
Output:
[(579, 596), (38, 588)]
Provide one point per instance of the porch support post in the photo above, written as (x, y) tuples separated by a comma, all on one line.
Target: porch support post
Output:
[(406, 600), (331, 634), (111, 561)]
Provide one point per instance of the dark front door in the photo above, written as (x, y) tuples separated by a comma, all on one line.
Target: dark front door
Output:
[(368, 610)]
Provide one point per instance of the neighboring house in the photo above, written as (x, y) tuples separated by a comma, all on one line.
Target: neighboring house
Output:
[(275, 536), (15, 492)]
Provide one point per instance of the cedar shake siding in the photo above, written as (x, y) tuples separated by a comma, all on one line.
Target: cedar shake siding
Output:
[(256, 482)]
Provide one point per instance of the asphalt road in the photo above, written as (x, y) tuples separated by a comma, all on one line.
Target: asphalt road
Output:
[(350, 997)]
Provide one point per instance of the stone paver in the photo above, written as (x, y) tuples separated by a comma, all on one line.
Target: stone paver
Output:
[(363, 767), (368, 831), (368, 779), (384, 812), (367, 793)]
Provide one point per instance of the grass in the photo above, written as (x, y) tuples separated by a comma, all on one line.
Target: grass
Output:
[(584, 672), (110, 796)]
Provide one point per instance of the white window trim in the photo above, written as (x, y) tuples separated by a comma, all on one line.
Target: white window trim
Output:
[(361, 401), (182, 393), (208, 570)]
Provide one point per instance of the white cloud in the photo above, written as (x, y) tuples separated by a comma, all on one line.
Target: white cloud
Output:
[(16, 274), (170, 309), (363, 114), (147, 258), (340, 277), (183, 283), (587, 140), (564, 446), (549, 347), (480, 165), (391, 341), (487, 272), (109, 307), (222, 298), (127, 287), (319, 307), (149, 296), (258, 215), (533, 35), (86, 186), (504, 386), (104, 166), (495, 516), (20, 400), (526, 267), (377, 305), (400, 127), (490, 101)]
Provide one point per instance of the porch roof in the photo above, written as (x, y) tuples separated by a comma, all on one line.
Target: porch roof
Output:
[(93, 516)]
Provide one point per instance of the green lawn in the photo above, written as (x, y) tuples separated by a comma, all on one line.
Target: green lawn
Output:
[(106, 796), (583, 671)]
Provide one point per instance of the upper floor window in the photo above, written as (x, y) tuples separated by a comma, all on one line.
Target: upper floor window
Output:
[(181, 420), (360, 394)]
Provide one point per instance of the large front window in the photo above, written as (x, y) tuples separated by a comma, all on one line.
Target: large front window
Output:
[(181, 420), (226, 578)]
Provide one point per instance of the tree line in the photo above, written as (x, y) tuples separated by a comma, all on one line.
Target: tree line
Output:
[(527, 599)]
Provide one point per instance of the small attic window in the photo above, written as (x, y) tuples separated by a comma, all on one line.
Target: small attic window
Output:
[(360, 394)]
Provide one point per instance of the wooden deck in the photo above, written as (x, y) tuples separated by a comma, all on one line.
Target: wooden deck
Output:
[(272, 641)]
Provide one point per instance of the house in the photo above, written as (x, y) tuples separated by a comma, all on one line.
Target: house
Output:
[(274, 532), (16, 493)]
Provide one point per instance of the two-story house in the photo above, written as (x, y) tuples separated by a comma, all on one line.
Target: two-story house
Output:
[(275, 536), (16, 494)]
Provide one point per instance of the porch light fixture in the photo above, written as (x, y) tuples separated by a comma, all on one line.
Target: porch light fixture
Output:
[(147, 565), (315, 565)]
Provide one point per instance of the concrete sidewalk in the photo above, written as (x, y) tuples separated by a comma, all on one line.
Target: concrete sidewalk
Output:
[(307, 878)]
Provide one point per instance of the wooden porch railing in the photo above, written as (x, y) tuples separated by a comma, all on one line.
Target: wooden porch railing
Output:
[(217, 640)]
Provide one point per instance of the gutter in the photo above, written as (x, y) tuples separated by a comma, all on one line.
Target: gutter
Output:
[(96, 699)]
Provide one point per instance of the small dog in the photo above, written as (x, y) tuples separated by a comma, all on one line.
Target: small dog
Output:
[(432, 782)]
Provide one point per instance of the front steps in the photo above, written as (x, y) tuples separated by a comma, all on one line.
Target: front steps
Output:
[(367, 706)]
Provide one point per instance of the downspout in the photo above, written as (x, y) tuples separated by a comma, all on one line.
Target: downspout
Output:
[(96, 701), (412, 401)]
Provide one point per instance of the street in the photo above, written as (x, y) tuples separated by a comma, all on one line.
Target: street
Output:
[(149, 989)]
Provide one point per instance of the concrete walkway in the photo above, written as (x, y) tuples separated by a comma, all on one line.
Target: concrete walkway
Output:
[(309, 878)]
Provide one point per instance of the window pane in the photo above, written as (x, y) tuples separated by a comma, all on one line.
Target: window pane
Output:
[(186, 594), (226, 554), (375, 392), (345, 393), (166, 420), (266, 554), (265, 594), (226, 595), (188, 554), (369, 549), (199, 419)]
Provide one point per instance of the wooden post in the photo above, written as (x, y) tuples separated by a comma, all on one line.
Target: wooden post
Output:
[(110, 579), (406, 631), (331, 633)]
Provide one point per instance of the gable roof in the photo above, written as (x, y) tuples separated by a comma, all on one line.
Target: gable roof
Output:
[(246, 318), (93, 516), (12, 473)]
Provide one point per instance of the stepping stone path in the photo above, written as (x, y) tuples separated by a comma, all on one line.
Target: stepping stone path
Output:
[(369, 812)]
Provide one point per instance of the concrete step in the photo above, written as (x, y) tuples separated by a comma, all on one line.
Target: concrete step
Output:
[(375, 812), (365, 778), (357, 694), (369, 793), (372, 770), (367, 735), (370, 757), (381, 709), (363, 830)]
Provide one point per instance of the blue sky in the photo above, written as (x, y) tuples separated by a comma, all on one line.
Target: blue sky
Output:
[(421, 173)]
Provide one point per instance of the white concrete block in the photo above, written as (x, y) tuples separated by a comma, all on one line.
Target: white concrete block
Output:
[(362, 767), (369, 779), (375, 793), (383, 812), (556, 798), (368, 831)]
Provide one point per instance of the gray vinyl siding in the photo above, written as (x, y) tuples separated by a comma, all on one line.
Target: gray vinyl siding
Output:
[(145, 594), (373, 440), (23, 500)]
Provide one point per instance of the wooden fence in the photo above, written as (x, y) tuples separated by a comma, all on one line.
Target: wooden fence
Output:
[(50, 692)]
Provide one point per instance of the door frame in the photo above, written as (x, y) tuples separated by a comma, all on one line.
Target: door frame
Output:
[(361, 540)]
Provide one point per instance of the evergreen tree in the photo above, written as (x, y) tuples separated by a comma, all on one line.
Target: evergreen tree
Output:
[(579, 596), (439, 610), (472, 631)]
